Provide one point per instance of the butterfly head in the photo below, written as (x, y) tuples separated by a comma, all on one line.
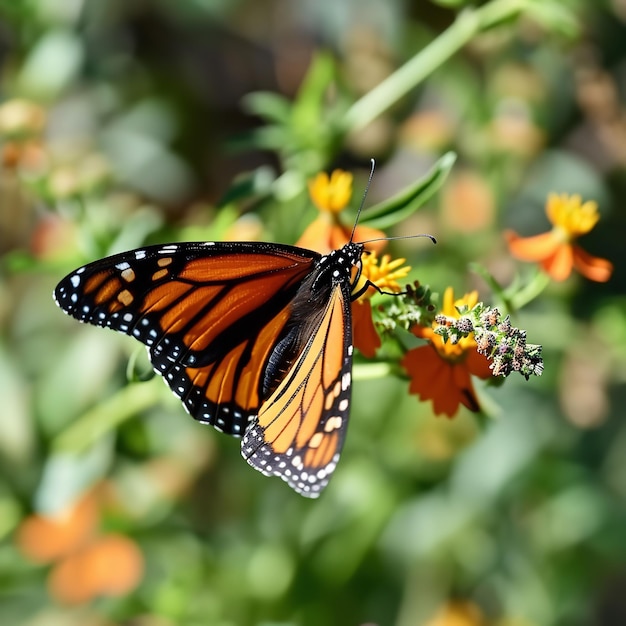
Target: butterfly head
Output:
[(338, 266)]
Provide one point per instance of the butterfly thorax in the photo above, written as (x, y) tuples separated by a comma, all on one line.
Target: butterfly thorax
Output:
[(334, 270), (337, 266)]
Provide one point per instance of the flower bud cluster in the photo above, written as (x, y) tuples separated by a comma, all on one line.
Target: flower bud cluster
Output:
[(496, 338)]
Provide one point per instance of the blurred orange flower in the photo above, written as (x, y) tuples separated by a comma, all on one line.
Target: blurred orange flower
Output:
[(331, 194), (442, 372), (44, 539), (86, 564), (110, 566), (555, 250)]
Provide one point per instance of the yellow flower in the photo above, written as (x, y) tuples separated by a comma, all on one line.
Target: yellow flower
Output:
[(555, 250), (385, 276), (569, 214), (385, 273), (449, 350), (331, 193)]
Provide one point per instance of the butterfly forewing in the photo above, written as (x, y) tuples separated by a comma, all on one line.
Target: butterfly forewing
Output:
[(209, 313)]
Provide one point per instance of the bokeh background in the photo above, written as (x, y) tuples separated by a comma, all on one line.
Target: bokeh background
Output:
[(132, 122)]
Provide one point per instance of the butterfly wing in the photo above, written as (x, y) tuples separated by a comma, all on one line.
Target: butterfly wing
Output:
[(209, 313), (299, 431)]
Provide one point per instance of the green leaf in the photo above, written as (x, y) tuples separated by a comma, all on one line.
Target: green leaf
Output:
[(406, 202), (66, 476), (99, 421), (255, 184), (497, 289), (555, 17), (270, 106), (310, 102), (453, 4)]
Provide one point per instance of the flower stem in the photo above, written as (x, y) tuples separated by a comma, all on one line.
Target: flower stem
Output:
[(371, 371), (467, 25), (528, 293), (106, 416)]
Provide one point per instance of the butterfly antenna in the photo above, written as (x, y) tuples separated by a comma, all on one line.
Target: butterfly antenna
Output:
[(358, 213), (400, 237)]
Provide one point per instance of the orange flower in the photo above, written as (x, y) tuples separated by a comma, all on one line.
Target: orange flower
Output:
[(555, 250), (110, 566), (442, 372), (364, 334), (44, 539), (331, 195), (86, 564), (385, 276)]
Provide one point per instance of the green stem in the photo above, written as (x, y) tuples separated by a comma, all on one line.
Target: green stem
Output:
[(106, 416), (467, 25), (371, 371), (528, 293)]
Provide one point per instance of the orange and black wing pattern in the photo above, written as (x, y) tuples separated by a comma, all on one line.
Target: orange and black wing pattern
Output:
[(300, 428), (210, 314), (254, 338)]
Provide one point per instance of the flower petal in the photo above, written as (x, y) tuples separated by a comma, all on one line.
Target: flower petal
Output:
[(570, 214), (422, 364), (325, 234), (536, 248), (365, 337), (365, 233), (320, 235), (447, 305), (331, 193), (463, 383), (432, 378), (559, 265), (449, 399), (592, 267), (478, 365)]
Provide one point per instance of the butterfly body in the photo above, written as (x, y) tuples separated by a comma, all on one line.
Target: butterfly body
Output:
[(254, 338)]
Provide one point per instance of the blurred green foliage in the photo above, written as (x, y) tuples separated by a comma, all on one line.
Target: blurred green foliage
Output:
[(167, 121)]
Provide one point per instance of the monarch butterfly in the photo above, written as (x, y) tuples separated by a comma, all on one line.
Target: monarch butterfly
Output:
[(254, 338)]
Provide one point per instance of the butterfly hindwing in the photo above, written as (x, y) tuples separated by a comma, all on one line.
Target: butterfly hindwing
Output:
[(300, 429), (209, 313)]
